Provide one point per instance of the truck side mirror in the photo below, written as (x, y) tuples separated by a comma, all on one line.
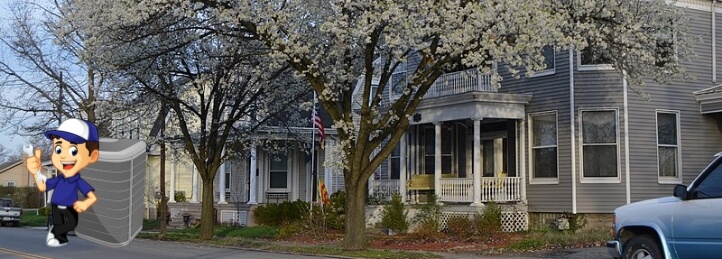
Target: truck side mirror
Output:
[(680, 191)]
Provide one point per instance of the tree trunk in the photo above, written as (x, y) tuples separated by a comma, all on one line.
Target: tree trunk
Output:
[(355, 234), (208, 218)]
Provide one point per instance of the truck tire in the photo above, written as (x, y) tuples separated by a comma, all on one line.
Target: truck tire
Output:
[(642, 246)]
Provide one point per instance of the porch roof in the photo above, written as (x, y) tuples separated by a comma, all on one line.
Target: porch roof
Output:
[(473, 105), (709, 99)]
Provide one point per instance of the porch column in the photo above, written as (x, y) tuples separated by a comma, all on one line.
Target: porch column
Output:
[(253, 190), (194, 186), (402, 168), (222, 182), (328, 170), (477, 163), (437, 159), (172, 182), (522, 159)]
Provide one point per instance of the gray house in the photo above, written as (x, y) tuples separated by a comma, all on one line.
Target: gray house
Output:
[(571, 138)]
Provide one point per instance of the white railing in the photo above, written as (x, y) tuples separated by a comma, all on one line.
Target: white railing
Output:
[(496, 189), (457, 189), (385, 188), (465, 81)]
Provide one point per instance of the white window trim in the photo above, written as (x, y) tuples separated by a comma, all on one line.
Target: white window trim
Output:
[(593, 67), (667, 179), (390, 85), (14, 184), (548, 71), (288, 175), (547, 180), (582, 178)]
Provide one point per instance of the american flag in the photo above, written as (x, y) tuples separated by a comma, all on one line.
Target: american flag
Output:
[(318, 124)]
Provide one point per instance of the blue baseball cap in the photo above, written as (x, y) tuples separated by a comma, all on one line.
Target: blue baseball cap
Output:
[(76, 131)]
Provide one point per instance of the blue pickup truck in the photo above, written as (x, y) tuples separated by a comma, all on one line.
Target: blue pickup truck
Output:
[(685, 225)]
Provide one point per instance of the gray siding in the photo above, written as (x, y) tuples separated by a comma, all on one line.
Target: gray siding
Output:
[(551, 93), (700, 136)]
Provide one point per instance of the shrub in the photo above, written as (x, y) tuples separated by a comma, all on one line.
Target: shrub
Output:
[(429, 218), (376, 199), (460, 227), (394, 215), (489, 222), (180, 196), (278, 214), (44, 211), (336, 212), (290, 230)]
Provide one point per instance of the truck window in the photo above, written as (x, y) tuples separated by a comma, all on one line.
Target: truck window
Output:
[(710, 186)]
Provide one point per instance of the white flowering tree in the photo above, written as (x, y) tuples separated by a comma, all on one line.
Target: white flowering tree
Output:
[(332, 44)]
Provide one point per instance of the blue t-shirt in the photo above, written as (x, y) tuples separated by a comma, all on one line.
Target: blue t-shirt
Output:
[(66, 189)]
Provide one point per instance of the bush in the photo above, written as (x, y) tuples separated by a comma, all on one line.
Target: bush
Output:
[(394, 215), (279, 214), (180, 196), (460, 227), (489, 222), (576, 221), (44, 211), (336, 212), (428, 218)]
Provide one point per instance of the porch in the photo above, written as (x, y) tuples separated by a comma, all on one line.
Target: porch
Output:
[(459, 190)]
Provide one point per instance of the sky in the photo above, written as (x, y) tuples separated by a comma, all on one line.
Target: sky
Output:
[(8, 139)]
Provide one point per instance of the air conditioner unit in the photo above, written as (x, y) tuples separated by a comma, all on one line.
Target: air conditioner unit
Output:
[(119, 181)]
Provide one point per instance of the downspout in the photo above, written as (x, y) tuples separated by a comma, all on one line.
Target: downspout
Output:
[(626, 138), (572, 115), (714, 43)]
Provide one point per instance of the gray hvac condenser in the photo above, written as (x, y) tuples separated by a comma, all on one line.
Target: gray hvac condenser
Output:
[(119, 181)]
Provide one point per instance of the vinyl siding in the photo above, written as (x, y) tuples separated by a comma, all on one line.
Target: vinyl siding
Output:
[(700, 135), (550, 93)]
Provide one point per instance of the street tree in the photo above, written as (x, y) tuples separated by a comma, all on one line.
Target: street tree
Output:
[(218, 87), (336, 45)]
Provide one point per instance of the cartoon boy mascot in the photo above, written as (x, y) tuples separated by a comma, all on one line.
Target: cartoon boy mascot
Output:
[(74, 147)]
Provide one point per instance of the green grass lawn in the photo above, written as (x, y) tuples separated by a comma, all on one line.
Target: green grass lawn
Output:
[(33, 220)]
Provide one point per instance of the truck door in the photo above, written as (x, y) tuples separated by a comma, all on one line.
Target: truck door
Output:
[(697, 222)]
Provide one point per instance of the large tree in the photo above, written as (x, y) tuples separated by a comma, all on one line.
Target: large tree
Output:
[(218, 86), (333, 44)]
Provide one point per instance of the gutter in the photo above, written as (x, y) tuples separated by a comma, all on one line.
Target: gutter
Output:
[(572, 115), (627, 184)]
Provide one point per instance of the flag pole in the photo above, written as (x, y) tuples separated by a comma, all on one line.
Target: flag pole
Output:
[(314, 175)]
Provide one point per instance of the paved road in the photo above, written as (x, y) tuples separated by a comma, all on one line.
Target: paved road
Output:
[(30, 243)]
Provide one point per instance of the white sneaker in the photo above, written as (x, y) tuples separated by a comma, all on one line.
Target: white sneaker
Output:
[(55, 243), (50, 234)]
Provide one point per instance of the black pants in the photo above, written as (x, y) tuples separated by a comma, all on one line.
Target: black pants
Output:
[(64, 221)]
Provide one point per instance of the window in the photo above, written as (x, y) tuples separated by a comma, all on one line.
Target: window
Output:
[(394, 161), (711, 185), (543, 138), (10, 184), (227, 171), (665, 49), (279, 172), (668, 155), (398, 84), (594, 58), (600, 149), (447, 136), (549, 61)]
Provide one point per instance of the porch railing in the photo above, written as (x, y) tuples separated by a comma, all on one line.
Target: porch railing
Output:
[(385, 188), (460, 82), (496, 189)]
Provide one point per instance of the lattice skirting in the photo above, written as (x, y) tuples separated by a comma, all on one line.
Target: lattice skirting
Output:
[(510, 221)]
